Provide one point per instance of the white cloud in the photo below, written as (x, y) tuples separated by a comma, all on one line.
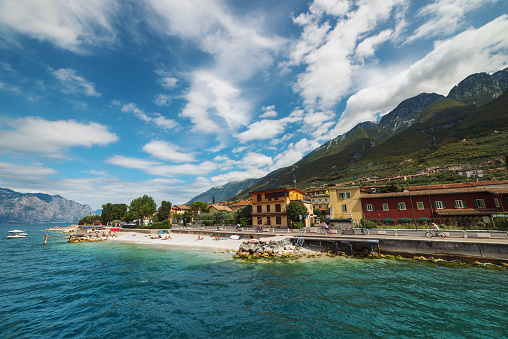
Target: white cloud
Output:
[(157, 169), (367, 47), (169, 82), (162, 100), (327, 51), (445, 17), (294, 153), (52, 138), (14, 171), (269, 112), (167, 151), (67, 24), (157, 118), (214, 104), (450, 62), (261, 130), (240, 50), (71, 82)]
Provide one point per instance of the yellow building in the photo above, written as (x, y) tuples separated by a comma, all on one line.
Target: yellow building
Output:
[(345, 203), (269, 207), (320, 197)]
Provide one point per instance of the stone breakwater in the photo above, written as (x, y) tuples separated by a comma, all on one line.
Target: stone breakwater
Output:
[(255, 248)]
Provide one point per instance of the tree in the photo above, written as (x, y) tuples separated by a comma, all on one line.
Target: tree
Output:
[(317, 211), (295, 209), (243, 215), (199, 206), (164, 211), (142, 207), (112, 212)]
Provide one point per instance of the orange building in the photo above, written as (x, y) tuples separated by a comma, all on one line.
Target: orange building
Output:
[(269, 207)]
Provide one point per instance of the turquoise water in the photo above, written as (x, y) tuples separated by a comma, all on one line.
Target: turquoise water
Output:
[(114, 290)]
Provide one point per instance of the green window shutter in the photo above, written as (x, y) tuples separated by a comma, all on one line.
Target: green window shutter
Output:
[(476, 203), (444, 205), (455, 203), (435, 205), (464, 203)]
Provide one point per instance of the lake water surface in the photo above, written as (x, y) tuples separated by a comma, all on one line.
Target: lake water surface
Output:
[(116, 290)]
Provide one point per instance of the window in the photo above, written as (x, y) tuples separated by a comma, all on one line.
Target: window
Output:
[(419, 205), (369, 207), (496, 202), (259, 208), (459, 203), (319, 201), (278, 220), (313, 201), (268, 208), (385, 207), (401, 206), (259, 197), (479, 203), (277, 207), (326, 200), (344, 208), (268, 222), (439, 205), (345, 195), (260, 220)]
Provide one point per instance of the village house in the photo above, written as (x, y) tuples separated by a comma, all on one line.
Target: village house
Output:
[(218, 208), (236, 206), (462, 205), (269, 207), (319, 196), (345, 203)]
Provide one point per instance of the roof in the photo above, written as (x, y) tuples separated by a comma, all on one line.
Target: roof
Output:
[(220, 208), (241, 203), (281, 189), (496, 190), (183, 207), (459, 185)]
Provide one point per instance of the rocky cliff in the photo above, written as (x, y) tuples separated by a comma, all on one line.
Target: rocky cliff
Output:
[(32, 208)]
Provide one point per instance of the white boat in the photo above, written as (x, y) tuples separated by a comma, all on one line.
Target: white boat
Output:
[(16, 234)]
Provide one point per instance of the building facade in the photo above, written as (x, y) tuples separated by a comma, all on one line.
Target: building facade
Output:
[(462, 207), (345, 203), (319, 197), (269, 207)]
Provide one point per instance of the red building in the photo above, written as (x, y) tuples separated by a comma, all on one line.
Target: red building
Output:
[(463, 207)]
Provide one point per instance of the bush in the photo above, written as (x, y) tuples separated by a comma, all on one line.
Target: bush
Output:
[(369, 223), (480, 224), (501, 223), (423, 220), (159, 225), (297, 225), (405, 220), (389, 221)]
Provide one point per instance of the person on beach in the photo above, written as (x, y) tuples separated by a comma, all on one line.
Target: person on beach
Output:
[(435, 228)]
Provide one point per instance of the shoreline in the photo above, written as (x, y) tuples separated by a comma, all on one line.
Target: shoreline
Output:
[(180, 240)]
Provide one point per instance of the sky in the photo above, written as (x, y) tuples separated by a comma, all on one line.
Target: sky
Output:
[(104, 101)]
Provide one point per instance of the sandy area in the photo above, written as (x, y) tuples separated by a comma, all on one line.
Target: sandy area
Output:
[(184, 240)]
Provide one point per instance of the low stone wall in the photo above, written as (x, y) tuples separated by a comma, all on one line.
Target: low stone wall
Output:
[(445, 248)]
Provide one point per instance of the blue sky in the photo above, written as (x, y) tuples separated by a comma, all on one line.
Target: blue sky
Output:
[(105, 101)]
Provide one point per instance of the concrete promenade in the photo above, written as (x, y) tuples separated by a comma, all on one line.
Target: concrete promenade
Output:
[(465, 245)]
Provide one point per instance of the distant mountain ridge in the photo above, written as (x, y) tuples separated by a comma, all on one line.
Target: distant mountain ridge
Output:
[(224, 192), (409, 134), (18, 207)]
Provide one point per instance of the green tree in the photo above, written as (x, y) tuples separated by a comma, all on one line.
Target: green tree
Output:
[(112, 212), (243, 215), (317, 211), (199, 206), (89, 219), (164, 211), (142, 207), (295, 209)]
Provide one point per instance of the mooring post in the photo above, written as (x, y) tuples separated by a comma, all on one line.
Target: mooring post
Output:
[(45, 239)]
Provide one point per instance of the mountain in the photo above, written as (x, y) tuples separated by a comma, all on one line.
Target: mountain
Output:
[(225, 192), (480, 88), (17, 207), (428, 129)]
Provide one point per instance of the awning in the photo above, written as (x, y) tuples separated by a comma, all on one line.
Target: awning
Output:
[(113, 229)]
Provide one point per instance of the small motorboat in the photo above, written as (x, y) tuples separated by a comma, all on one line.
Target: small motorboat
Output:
[(14, 234)]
